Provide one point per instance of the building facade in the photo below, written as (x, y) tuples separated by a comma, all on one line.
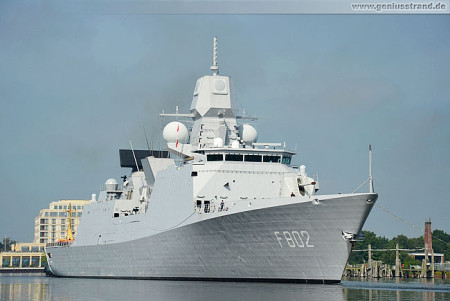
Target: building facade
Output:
[(51, 224)]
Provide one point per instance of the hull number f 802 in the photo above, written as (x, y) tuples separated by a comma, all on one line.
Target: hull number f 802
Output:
[(293, 239)]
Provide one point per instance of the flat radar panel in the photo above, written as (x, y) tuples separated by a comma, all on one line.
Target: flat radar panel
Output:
[(127, 158)]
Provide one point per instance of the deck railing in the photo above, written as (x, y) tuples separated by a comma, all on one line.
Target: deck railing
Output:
[(59, 244)]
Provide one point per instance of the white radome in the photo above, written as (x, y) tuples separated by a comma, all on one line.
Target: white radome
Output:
[(218, 142), (175, 131), (111, 184), (248, 133)]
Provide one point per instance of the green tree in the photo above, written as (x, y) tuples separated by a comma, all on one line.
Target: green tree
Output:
[(441, 243), (6, 244), (408, 260), (375, 241)]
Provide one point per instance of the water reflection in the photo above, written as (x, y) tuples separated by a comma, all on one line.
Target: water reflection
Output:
[(396, 289), (14, 287), (23, 287), (32, 287)]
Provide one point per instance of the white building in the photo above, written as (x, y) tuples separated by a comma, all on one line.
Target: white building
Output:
[(51, 224)]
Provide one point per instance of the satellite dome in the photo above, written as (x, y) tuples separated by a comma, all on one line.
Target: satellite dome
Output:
[(111, 185), (218, 142), (175, 131), (111, 181), (248, 133)]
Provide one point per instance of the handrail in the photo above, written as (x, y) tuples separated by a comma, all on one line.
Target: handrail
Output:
[(59, 244)]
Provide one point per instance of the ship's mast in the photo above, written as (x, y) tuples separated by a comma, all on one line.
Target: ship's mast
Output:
[(69, 236), (215, 67), (370, 169)]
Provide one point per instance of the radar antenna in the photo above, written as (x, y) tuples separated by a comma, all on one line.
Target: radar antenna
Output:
[(215, 67)]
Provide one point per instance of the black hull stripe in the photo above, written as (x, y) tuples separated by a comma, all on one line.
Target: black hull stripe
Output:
[(266, 280)]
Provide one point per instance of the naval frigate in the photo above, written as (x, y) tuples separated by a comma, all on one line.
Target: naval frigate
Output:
[(221, 207)]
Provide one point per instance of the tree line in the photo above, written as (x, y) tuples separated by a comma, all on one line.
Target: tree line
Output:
[(5, 244), (441, 244)]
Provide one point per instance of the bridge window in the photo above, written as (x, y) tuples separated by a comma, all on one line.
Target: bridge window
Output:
[(234, 157), (274, 159), (253, 158), (286, 160), (215, 157), (207, 208)]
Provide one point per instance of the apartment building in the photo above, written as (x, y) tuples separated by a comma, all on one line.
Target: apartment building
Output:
[(51, 224)]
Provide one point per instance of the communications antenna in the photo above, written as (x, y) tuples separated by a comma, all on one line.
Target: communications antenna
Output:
[(215, 67)]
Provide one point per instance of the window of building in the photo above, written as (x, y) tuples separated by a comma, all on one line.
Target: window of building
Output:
[(62, 214), (53, 213), (253, 158), (234, 157), (215, 157), (35, 249), (53, 220), (44, 221), (25, 249), (55, 207), (46, 213), (65, 207), (60, 207), (286, 160), (273, 159), (63, 221)]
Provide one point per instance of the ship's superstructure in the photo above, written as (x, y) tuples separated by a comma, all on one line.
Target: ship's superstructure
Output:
[(228, 208)]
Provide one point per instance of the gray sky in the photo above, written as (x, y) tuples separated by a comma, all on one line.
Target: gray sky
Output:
[(76, 84)]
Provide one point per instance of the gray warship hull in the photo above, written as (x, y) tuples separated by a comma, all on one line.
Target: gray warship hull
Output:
[(221, 207), (306, 241)]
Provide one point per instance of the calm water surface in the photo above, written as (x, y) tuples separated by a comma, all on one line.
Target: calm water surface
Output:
[(33, 287)]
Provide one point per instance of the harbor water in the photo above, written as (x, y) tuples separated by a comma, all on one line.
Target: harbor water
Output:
[(39, 287)]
